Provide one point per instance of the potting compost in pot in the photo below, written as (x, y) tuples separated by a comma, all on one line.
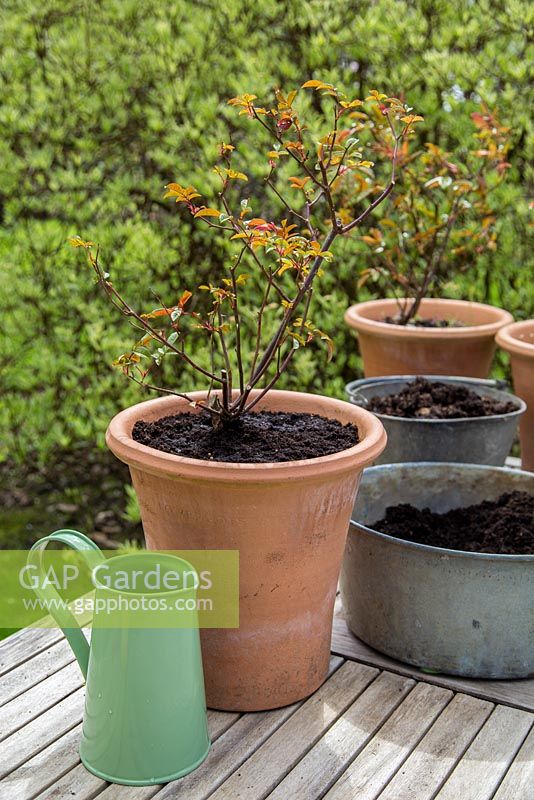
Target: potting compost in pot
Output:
[(431, 590)]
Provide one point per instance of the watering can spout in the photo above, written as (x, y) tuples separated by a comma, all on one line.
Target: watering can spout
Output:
[(46, 592)]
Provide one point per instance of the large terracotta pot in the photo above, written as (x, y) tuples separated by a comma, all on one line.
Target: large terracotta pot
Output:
[(289, 522), (518, 340), (407, 350)]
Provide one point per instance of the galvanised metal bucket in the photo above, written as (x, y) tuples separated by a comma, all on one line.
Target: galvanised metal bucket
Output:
[(469, 614), (474, 440)]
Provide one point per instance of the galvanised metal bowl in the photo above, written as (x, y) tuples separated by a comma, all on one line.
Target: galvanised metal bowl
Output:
[(469, 614), (473, 440)]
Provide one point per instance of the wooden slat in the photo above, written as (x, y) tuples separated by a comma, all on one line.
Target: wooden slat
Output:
[(43, 769), (481, 769), (39, 733), (227, 754), (29, 673), (39, 698), (77, 784), (519, 693), (81, 784), (278, 755), (518, 783), (428, 766), (388, 749), (25, 644), (340, 745), (61, 758)]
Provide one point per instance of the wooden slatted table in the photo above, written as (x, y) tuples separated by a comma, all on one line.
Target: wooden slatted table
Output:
[(375, 729)]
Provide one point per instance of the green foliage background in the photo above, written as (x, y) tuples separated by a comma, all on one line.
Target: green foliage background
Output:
[(104, 101)]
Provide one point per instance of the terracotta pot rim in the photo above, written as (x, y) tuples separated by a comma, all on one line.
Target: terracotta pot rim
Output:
[(507, 338), (355, 317), (372, 433)]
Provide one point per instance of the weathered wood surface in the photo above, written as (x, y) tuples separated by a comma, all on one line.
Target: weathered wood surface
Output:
[(518, 693), (369, 732), (519, 780), (483, 766)]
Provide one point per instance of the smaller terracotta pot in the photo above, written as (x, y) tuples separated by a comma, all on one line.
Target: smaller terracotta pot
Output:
[(518, 340), (466, 350)]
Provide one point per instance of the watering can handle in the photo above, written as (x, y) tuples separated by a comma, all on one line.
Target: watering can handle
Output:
[(94, 556)]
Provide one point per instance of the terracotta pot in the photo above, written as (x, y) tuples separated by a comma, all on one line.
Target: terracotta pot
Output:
[(518, 340), (407, 350), (289, 522)]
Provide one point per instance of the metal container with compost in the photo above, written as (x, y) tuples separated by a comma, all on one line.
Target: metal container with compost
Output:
[(480, 429), (445, 610)]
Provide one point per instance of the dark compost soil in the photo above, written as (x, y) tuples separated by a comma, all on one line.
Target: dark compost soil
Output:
[(261, 437), (429, 322), (437, 400), (505, 525)]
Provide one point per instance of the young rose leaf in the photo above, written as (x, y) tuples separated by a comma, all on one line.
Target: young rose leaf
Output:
[(158, 312), (207, 212), (298, 183), (242, 100), (318, 85), (77, 241), (225, 149), (286, 264), (353, 104), (240, 176), (329, 345), (298, 340), (364, 277), (183, 194), (291, 96), (186, 296), (126, 360), (374, 95)]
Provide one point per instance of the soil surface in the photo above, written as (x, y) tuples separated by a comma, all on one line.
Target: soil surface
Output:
[(436, 400), (503, 526), (428, 322), (261, 437)]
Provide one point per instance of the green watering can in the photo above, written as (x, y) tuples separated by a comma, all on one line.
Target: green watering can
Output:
[(145, 709)]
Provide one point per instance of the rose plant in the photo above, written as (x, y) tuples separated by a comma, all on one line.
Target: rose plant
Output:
[(284, 257), (288, 519), (440, 218)]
